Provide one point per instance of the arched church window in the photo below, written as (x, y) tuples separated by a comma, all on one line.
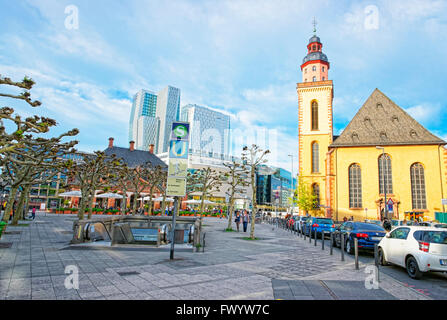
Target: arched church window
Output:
[(314, 68), (385, 174), (314, 79), (316, 192), (418, 196), (315, 157), (314, 116), (355, 186)]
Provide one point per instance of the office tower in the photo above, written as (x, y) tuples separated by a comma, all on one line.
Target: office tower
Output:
[(167, 111), (210, 131), (143, 125)]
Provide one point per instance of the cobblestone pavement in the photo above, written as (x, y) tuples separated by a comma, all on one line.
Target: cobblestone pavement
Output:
[(278, 266)]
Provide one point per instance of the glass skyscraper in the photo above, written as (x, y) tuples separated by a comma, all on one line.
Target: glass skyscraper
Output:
[(143, 125), (210, 131), (168, 111)]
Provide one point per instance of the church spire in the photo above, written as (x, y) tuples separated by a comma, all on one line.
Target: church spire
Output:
[(314, 22), (315, 65)]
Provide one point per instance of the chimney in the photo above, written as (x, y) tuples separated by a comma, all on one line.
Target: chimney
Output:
[(151, 148), (132, 145), (111, 142)]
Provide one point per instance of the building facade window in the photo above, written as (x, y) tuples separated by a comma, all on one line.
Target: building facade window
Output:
[(314, 68), (355, 186), (322, 68), (314, 113), (385, 174), (314, 79), (418, 186), (315, 157), (316, 192)]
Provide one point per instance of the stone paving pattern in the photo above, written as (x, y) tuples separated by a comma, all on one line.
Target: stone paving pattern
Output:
[(280, 266)]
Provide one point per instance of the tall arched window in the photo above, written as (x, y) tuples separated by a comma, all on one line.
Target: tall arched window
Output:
[(385, 176), (355, 186), (418, 186), (314, 79), (314, 115), (315, 157), (316, 192)]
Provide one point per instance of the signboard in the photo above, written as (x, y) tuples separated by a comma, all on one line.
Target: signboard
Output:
[(176, 187), (390, 206), (42, 206), (178, 167), (180, 131), (178, 160), (178, 149)]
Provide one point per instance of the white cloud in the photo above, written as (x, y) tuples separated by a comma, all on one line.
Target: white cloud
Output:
[(426, 113)]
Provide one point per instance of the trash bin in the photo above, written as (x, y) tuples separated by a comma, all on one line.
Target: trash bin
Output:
[(2, 227)]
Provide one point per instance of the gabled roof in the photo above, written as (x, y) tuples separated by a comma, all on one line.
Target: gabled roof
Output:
[(381, 122), (136, 157)]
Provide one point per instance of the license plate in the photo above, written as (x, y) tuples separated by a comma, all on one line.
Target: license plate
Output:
[(376, 238), (443, 262)]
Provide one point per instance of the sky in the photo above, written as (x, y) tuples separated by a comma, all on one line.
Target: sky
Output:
[(242, 57)]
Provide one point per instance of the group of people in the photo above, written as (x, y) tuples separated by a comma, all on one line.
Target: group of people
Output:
[(243, 217)]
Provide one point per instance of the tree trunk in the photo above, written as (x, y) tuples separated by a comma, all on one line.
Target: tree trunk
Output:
[(253, 212), (20, 205), (90, 204), (163, 204), (230, 213), (124, 203), (134, 206), (27, 202), (9, 204)]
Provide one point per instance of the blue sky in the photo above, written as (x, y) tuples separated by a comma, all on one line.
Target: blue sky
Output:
[(241, 57)]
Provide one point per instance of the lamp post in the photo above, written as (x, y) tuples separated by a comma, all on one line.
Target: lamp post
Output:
[(293, 192), (384, 181)]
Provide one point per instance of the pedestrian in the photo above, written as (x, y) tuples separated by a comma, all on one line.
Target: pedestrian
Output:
[(34, 213), (387, 225), (345, 219), (245, 220), (237, 220)]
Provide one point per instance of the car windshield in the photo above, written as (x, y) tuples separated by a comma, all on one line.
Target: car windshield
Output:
[(368, 226), (440, 225), (395, 222), (324, 221), (436, 236)]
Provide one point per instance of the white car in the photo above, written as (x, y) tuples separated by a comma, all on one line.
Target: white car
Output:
[(418, 249)]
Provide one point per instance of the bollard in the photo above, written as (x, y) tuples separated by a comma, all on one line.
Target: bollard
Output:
[(342, 246), (376, 260), (356, 251), (316, 237), (304, 233), (310, 234), (322, 240), (332, 244)]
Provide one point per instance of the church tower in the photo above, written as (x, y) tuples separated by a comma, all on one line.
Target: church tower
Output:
[(315, 131)]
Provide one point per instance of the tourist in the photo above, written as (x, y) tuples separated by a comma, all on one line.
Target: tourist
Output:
[(245, 220), (237, 220)]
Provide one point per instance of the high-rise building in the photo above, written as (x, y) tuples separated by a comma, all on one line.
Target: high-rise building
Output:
[(143, 125), (167, 111), (209, 131)]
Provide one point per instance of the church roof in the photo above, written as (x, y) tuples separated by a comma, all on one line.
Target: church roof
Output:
[(136, 157), (381, 122)]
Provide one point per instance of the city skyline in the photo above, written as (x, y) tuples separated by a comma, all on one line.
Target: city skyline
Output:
[(92, 72)]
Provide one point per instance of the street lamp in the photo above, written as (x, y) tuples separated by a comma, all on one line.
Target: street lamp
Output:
[(293, 189), (384, 170)]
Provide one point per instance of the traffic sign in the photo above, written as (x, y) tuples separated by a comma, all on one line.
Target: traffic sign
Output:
[(178, 168), (180, 131), (178, 149)]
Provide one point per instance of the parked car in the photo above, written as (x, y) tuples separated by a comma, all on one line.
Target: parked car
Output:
[(301, 222), (318, 224), (418, 249), (368, 235), (378, 222)]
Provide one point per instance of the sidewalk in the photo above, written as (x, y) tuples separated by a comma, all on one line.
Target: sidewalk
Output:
[(279, 266)]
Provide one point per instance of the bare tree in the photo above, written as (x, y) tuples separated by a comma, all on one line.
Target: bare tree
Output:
[(236, 177), (205, 181), (253, 157)]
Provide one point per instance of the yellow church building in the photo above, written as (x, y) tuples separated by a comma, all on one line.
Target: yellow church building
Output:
[(384, 163)]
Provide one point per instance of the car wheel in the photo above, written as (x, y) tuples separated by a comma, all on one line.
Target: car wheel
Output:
[(413, 269), (349, 249), (382, 260)]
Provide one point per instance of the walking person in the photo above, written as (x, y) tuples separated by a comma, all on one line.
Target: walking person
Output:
[(33, 213), (245, 220), (237, 220)]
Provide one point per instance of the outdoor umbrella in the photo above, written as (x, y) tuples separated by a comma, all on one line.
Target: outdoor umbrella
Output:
[(76, 193), (110, 196), (161, 199), (192, 201)]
